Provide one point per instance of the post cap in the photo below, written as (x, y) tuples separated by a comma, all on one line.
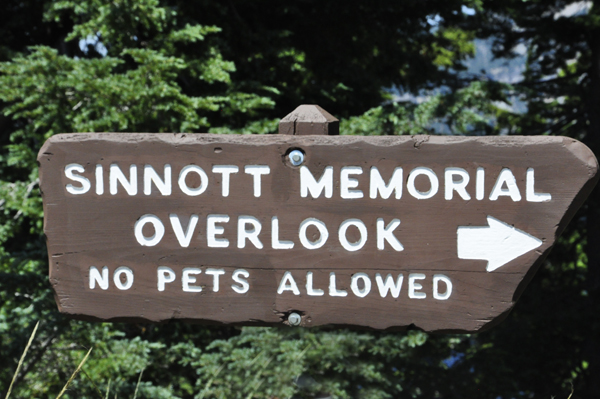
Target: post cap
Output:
[(309, 119)]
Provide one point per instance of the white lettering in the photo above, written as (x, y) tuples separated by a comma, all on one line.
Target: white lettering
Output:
[(95, 277), (436, 291), (460, 186), (530, 193), (250, 234), (70, 170), (128, 273), (347, 183), (99, 180), (433, 181), (479, 184), (164, 276), (413, 286), (150, 176), (288, 284), (361, 293), (378, 185), (203, 180), (189, 277), (323, 233), (212, 230), (387, 234), (239, 277), (352, 246), (117, 176), (309, 286), (215, 273), (389, 285), (506, 176), (333, 291), (159, 230), (257, 171), (183, 238), (275, 243), (225, 171), (309, 184)]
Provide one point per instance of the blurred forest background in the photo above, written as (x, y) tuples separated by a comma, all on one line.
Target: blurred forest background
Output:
[(478, 67)]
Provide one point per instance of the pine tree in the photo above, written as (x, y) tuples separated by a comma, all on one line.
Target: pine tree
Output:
[(237, 67)]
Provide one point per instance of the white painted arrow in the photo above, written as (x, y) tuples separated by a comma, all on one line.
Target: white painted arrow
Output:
[(498, 243)]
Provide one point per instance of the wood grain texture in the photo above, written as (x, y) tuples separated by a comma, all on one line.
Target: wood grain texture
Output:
[(309, 119), (98, 230)]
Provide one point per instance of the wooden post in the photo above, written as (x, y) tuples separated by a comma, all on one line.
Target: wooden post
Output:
[(309, 119)]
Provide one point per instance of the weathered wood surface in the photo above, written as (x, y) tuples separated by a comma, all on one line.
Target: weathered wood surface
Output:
[(85, 230), (309, 119)]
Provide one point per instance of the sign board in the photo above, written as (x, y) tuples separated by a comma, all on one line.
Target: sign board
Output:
[(436, 233)]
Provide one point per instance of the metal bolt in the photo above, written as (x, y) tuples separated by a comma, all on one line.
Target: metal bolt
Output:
[(294, 319), (296, 157)]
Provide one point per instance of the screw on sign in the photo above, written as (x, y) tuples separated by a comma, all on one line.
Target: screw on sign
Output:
[(294, 319), (296, 157), (305, 228)]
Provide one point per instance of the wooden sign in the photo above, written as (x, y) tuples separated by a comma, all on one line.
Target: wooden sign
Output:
[(436, 233)]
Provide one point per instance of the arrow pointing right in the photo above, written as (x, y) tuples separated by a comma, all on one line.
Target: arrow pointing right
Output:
[(498, 243)]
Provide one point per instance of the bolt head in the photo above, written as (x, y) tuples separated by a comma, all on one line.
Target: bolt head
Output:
[(294, 319), (296, 157)]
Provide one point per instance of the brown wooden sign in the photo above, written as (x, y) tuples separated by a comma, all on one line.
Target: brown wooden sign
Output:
[(439, 233)]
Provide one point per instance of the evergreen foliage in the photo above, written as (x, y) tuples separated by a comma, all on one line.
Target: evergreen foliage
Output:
[(238, 67)]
